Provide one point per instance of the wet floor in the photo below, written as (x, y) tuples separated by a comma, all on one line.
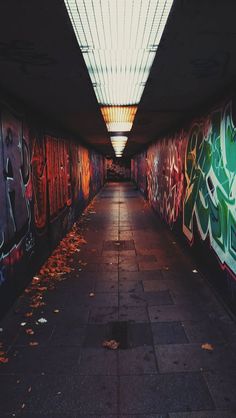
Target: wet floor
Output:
[(135, 285)]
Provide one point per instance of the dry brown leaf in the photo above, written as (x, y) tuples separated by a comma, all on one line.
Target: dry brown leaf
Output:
[(3, 360), (111, 344), (42, 288), (207, 347), (33, 343), (29, 331), (28, 314)]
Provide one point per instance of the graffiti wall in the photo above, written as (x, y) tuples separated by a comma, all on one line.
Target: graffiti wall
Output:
[(45, 182), (118, 169), (139, 170), (191, 183)]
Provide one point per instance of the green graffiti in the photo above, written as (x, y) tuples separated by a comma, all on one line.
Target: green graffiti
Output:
[(210, 197)]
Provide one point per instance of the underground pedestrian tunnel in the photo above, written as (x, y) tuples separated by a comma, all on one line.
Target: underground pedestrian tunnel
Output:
[(117, 209)]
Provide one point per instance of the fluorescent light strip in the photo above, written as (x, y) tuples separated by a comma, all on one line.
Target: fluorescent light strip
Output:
[(119, 143), (118, 40), (118, 118)]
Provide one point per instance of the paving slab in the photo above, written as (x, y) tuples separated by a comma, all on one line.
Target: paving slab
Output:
[(193, 357), (163, 393), (133, 283), (137, 361), (168, 333), (222, 386)]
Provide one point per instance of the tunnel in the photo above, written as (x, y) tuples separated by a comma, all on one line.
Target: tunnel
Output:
[(117, 209)]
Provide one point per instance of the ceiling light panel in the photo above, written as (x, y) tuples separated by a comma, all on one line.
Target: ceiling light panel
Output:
[(119, 118), (118, 40), (119, 142)]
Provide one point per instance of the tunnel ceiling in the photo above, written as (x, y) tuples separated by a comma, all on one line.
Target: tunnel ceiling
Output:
[(41, 64)]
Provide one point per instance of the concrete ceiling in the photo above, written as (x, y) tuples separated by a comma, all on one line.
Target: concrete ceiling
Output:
[(41, 65)]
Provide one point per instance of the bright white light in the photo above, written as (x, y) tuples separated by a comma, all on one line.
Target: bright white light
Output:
[(119, 118), (118, 40), (119, 143)]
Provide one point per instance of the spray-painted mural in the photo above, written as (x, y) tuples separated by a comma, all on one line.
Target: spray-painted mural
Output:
[(191, 181), (118, 169), (43, 179), (165, 162), (139, 170), (210, 197)]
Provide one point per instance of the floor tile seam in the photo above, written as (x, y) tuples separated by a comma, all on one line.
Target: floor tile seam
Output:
[(153, 345), (22, 374), (208, 386)]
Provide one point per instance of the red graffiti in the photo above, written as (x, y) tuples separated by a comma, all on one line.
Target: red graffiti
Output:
[(58, 174)]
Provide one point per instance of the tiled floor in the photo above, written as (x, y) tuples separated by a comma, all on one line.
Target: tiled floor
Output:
[(147, 297)]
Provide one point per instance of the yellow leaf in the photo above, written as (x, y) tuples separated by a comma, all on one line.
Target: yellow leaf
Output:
[(111, 344), (207, 347)]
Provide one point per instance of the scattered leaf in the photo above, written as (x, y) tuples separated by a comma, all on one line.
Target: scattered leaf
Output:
[(207, 347), (33, 343), (42, 288), (28, 314), (56, 311), (29, 389), (91, 294), (42, 320), (23, 324), (111, 344), (194, 271), (29, 331), (3, 360)]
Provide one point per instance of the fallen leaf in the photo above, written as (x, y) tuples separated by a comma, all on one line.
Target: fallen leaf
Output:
[(30, 388), (91, 294), (33, 343), (42, 320), (56, 311), (29, 331), (111, 344), (207, 347), (28, 314), (23, 324), (42, 288), (3, 360)]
